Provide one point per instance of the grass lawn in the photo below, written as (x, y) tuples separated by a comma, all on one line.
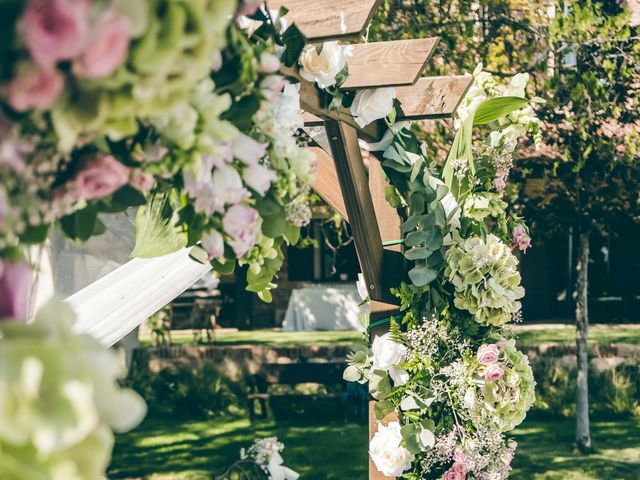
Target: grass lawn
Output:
[(194, 450), (527, 334)]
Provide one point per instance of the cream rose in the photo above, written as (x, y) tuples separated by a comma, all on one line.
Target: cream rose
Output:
[(389, 457), (388, 356), (322, 68), (372, 104)]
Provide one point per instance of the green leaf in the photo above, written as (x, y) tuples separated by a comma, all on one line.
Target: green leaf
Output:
[(422, 276), (292, 234), (351, 374), (495, 108), (418, 253), (409, 435), (80, 225), (123, 199), (156, 230), (274, 225), (241, 112), (410, 223), (294, 44), (35, 234), (379, 385), (382, 409), (415, 238), (224, 268), (265, 296), (426, 439)]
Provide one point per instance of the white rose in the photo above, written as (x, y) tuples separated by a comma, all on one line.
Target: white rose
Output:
[(324, 68), (372, 104), (389, 457), (388, 356)]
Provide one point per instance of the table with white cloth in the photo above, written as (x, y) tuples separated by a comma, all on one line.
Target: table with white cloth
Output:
[(324, 307)]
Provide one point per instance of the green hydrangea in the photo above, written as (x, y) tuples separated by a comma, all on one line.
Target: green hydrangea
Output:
[(486, 279), (173, 49), (511, 397), (59, 400), (481, 205)]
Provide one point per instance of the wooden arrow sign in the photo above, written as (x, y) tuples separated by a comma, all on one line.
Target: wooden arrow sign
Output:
[(432, 97), (322, 20), (382, 64)]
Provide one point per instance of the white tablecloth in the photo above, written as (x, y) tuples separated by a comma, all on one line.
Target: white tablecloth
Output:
[(324, 307)]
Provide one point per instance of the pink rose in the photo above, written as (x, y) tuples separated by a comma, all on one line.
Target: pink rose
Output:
[(99, 176), (247, 150), (35, 88), (456, 472), (499, 183), (488, 354), (213, 243), (494, 373), (259, 178), (54, 30), (241, 223), (521, 238), (141, 180), (107, 47), (15, 281)]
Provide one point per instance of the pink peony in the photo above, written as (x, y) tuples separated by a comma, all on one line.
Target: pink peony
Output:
[(488, 354), (141, 180), (35, 88), (521, 238), (99, 176), (54, 30), (107, 47), (241, 223), (456, 472), (259, 178), (15, 281), (494, 373), (499, 183), (213, 243)]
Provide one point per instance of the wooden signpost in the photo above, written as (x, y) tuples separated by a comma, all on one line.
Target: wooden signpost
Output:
[(342, 179)]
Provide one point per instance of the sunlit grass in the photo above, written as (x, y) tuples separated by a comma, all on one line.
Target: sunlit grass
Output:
[(195, 450), (527, 335)]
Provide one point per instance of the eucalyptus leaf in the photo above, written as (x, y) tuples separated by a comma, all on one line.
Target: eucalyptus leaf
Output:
[(422, 276), (418, 253), (351, 374), (426, 439)]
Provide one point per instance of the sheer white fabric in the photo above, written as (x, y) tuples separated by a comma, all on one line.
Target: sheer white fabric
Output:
[(113, 306), (110, 293)]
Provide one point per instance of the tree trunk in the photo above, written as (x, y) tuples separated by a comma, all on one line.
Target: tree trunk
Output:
[(583, 435)]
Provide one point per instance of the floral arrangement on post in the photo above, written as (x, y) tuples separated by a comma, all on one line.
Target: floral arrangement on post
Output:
[(448, 367), (265, 455), (60, 400), (164, 105)]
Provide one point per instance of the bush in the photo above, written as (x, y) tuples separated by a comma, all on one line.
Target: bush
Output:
[(179, 391), (613, 392)]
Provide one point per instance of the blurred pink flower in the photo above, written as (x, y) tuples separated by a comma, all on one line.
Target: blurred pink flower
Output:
[(248, 150), (494, 372), (259, 178), (107, 47), (15, 280), (213, 243), (35, 88), (241, 223), (141, 180), (99, 176), (521, 238), (249, 7), (54, 30), (488, 354)]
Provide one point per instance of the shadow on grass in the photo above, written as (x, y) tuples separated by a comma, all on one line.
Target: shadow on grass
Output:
[(193, 450)]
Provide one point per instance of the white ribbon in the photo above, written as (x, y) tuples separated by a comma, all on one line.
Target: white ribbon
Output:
[(277, 471)]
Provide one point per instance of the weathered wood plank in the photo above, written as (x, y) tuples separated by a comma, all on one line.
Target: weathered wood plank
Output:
[(382, 64), (388, 219), (326, 183), (432, 97), (311, 120), (354, 185), (322, 20), (374, 474)]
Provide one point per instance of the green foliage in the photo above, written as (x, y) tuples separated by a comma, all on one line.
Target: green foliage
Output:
[(156, 230)]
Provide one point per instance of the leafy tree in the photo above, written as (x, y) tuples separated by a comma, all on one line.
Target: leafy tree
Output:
[(585, 60)]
